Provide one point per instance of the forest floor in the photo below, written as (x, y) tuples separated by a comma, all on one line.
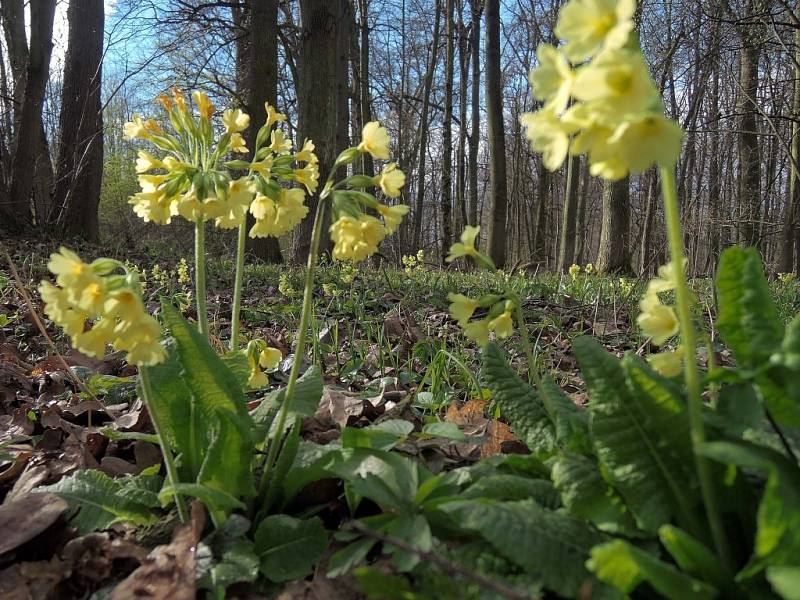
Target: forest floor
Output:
[(388, 349)]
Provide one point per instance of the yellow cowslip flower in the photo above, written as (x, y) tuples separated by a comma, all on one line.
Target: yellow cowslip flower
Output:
[(667, 278), (190, 207), (589, 25), (477, 331), (237, 144), (165, 102), (269, 358), (150, 183), (390, 180), (152, 126), (72, 274), (174, 165), (136, 332), (547, 135), (135, 129), (306, 154), (240, 193), (147, 162), (375, 140), (647, 140), (392, 216), (656, 320), (263, 167), (615, 84), (356, 238), (273, 116), (235, 120), (588, 268), (277, 218), (552, 80), (466, 247), (183, 273), (153, 206), (462, 308), (574, 270), (279, 143), (94, 341), (503, 324), (308, 176), (61, 310), (179, 100), (205, 107), (668, 364)]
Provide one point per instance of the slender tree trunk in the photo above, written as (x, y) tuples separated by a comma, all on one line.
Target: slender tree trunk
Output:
[(539, 241), (614, 253), (446, 237), (580, 218), (789, 237), (424, 125), (463, 61), (646, 248), (322, 95), (569, 224), (476, 7), (364, 99), (749, 158), (16, 215), (497, 147), (257, 83), (79, 170)]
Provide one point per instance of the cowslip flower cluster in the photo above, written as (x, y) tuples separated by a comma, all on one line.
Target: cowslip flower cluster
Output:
[(355, 234), (90, 294), (411, 261), (659, 321), (598, 96), (260, 357), (192, 180)]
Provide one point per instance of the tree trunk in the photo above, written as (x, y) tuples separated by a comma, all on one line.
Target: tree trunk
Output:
[(614, 254), (789, 233), (580, 217), (569, 225), (539, 241), (16, 213), (463, 62), (424, 125), (497, 146), (363, 63), (646, 248), (749, 159), (476, 7), (322, 97), (256, 83), (79, 170), (445, 230)]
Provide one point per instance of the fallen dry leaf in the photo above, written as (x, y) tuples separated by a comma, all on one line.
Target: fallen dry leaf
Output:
[(24, 518)]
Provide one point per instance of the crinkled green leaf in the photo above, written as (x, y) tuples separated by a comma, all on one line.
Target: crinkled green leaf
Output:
[(289, 547), (514, 487)]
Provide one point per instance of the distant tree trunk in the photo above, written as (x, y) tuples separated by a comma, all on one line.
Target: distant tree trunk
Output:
[(16, 213), (424, 125), (569, 226), (79, 170), (476, 7), (646, 248), (463, 62), (497, 147), (445, 230), (256, 83), (749, 159), (539, 241), (714, 168), (614, 253), (364, 99), (580, 217), (790, 224), (322, 96)]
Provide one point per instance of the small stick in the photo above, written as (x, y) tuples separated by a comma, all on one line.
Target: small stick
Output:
[(449, 566)]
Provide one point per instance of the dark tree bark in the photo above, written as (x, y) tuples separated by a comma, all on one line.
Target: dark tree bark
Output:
[(569, 226), (79, 170), (322, 96), (790, 224), (15, 214), (367, 164), (445, 228), (614, 253), (257, 82), (476, 7), (497, 145), (424, 125)]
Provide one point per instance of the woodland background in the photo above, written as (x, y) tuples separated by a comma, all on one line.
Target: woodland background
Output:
[(448, 78)]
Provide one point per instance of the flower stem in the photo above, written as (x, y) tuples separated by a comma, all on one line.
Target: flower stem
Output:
[(169, 465), (533, 373), (200, 275), (305, 318), (691, 374), (237, 286)]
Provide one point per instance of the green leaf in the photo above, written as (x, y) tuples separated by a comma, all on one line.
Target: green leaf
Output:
[(696, 559), (348, 557), (383, 436), (785, 581), (237, 563), (307, 394), (221, 427), (625, 566), (778, 519), (747, 317), (289, 547), (513, 487), (383, 586), (445, 429), (587, 495), (551, 545), (571, 422), (101, 501), (519, 402), (213, 498), (640, 432), (282, 465), (414, 530)]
